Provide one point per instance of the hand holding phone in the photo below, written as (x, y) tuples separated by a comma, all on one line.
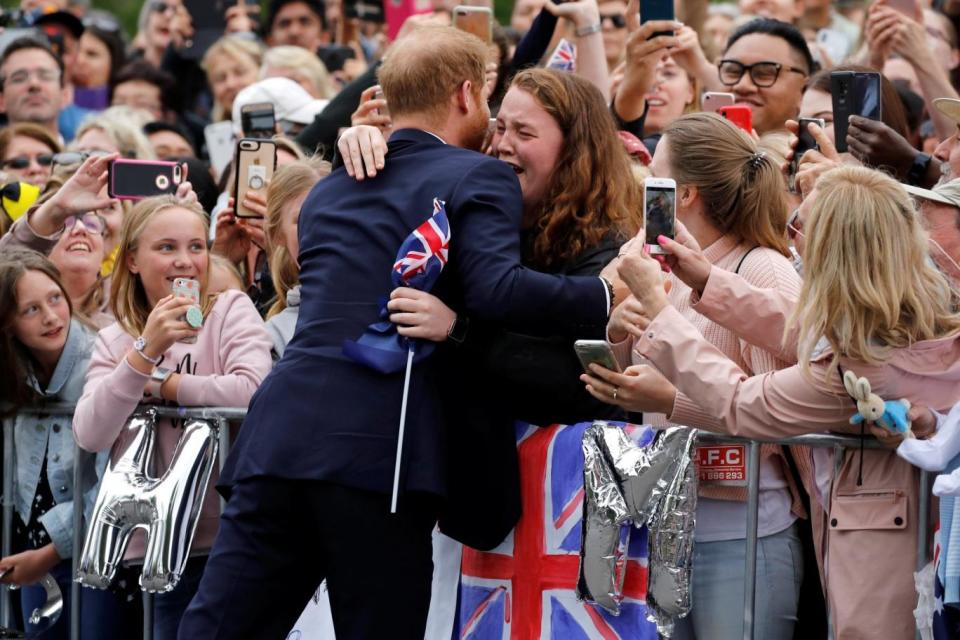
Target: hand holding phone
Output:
[(659, 211), (853, 93), (805, 142), (137, 179), (189, 288), (596, 352)]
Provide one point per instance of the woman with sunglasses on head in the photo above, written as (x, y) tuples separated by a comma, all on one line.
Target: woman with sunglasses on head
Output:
[(45, 351), (26, 151)]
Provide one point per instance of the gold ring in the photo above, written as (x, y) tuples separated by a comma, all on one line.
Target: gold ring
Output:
[(616, 390)]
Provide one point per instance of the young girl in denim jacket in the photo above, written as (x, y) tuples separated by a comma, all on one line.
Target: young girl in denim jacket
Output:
[(45, 352)]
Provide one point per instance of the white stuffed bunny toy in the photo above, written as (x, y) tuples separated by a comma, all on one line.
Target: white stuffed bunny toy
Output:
[(871, 408)]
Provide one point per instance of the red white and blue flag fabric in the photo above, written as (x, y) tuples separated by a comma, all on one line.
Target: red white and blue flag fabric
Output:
[(419, 262), (564, 57), (526, 588)]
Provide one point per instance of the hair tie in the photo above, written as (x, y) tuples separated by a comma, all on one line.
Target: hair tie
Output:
[(757, 159)]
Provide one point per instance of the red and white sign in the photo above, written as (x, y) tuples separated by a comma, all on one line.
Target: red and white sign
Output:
[(726, 463)]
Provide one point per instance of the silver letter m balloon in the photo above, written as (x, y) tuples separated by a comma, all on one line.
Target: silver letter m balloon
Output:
[(167, 507)]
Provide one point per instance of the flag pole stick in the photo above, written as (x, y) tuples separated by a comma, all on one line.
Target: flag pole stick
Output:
[(403, 424)]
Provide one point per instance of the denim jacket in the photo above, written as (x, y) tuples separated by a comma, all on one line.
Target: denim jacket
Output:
[(39, 434)]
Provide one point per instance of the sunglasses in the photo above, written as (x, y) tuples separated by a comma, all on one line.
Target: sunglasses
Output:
[(92, 222), (162, 7), (794, 228), (76, 157), (22, 162), (618, 19)]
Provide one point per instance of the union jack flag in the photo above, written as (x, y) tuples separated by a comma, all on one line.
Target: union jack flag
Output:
[(425, 251), (564, 57), (526, 588)]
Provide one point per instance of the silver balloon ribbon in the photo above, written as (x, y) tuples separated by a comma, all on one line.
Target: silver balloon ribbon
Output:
[(167, 507), (653, 485), (604, 539), (670, 534)]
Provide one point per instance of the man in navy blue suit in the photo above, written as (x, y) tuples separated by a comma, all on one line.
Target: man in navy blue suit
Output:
[(311, 472)]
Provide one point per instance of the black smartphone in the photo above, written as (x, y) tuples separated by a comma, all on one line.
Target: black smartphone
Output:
[(138, 179), (209, 20), (334, 56), (657, 10), (805, 142), (854, 93), (258, 120)]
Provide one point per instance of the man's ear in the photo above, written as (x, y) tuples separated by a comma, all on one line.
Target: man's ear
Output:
[(465, 96)]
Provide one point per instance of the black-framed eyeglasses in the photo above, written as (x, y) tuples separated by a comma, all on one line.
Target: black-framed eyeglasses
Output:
[(794, 226), (763, 74), (92, 222), (618, 20), (22, 162)]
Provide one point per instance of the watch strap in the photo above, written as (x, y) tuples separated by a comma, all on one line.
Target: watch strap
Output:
[(139, 345)]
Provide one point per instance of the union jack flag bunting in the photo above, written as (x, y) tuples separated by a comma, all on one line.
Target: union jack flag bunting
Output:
[(421, 258), (564, 57), (526, 588)]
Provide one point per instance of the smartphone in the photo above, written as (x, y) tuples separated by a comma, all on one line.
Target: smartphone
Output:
[(853, 93), (659, 211), (475, 20), (208, 19), (656, 10), (220, 144), (253, 168), (187, 288), (258, 120), (596, 351), (805, 142), (334, 56), (138, 179), (713, 100), (739, 114)]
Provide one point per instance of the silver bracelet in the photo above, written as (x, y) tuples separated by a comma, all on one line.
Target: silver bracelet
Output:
[(583, 32)]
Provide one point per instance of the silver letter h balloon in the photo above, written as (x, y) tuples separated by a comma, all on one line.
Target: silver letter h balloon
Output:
[(167, 507)]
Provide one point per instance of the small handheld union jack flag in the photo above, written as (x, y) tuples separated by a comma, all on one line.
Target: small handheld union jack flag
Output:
[(424, 253), (564, 57), (421, 258)]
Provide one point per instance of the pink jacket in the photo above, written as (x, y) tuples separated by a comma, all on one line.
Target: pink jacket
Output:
[(223, 368), (870, 531)]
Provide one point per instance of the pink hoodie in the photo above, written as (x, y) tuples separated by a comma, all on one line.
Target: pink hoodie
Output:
[(223, 368)]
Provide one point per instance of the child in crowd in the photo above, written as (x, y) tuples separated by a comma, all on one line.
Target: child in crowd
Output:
[(152, 353), (45, 351)]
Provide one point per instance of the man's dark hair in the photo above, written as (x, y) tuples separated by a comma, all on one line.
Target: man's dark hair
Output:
[(153, 127), (25, 44), (786, 32), (274, 7), (146, 72)]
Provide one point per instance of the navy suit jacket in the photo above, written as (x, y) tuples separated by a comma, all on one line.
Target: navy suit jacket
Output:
[(321, 416)]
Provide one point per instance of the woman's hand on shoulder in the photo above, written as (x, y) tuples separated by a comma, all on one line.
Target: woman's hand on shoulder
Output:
[(363, 149)]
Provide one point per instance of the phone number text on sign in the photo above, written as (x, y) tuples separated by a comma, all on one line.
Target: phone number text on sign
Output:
[(722, 463)]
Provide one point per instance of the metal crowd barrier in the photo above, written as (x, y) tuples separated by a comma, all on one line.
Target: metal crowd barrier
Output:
[(224, 415)]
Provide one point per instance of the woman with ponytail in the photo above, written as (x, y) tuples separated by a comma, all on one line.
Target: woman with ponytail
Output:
[(731, 198)]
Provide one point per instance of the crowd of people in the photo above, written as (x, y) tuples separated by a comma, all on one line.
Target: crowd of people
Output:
[(521, 162)]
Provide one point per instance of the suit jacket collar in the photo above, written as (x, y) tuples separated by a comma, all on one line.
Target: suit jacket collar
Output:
[(415, 135)]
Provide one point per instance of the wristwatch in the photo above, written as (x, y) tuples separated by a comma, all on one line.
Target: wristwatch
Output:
[(158, 376), (458, 330), (139, 345)]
